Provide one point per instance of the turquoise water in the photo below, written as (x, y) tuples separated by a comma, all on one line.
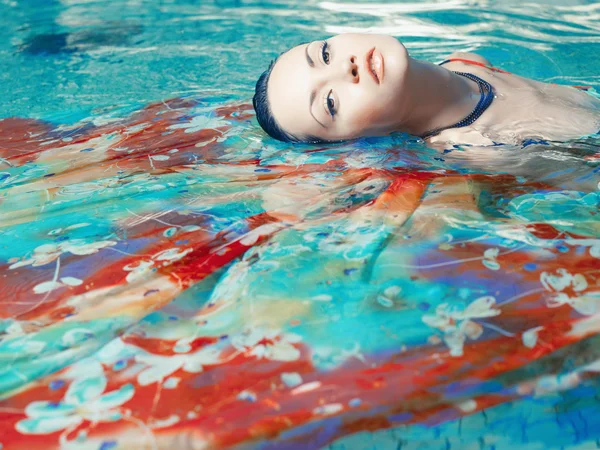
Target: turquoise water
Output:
[(68, 61), (225, 291), (63, 59)]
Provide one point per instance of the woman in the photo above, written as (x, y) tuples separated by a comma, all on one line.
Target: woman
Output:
[(355, 85)]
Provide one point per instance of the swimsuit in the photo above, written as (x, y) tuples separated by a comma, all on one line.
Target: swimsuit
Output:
[(495, 69), (485, 90), (486, 98)]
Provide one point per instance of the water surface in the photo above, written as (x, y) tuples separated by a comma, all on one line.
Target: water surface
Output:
[(172, 278)]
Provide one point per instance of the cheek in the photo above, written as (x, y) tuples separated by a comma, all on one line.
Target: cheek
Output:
[(367, 111)]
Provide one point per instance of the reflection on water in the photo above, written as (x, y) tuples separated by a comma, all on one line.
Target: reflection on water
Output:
[(572, 165), (473, 24), (108, 35), (188, 47)]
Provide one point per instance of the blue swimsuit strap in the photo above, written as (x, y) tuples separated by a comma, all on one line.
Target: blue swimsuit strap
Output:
[(487, 97)]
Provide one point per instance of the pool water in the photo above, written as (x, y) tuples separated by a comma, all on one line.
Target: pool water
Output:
[(172, 278)]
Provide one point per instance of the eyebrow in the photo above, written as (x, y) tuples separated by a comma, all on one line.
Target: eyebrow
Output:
[(313, 94)]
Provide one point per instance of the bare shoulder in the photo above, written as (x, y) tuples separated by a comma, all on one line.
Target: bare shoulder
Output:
[(471, 57), (466, 135)]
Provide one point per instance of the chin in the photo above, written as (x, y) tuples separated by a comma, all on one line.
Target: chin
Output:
[(396, 62), (395, 58)]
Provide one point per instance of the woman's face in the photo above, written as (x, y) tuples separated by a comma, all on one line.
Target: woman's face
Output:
[(345, 87)]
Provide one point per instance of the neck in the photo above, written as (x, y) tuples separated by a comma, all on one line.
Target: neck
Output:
[(436, 97)]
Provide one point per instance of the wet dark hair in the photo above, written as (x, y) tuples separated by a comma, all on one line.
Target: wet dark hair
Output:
[(264, 115)]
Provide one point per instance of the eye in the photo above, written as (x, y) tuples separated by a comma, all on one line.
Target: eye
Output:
[(325, 54), (330, 104)]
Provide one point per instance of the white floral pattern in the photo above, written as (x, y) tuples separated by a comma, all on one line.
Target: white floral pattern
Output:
[(141, 268), (160, 367), (458, 324), (138, 270), (199, 123), (84, 400), (568, 289), (268, 344), (489, 258), (46, 253)]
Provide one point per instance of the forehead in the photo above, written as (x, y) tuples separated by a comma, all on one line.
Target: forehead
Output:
[(289, 92)]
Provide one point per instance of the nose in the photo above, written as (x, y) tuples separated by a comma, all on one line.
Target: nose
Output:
[(351, 69)]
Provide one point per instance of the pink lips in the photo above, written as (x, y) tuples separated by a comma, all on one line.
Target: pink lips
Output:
[(374, 65)]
